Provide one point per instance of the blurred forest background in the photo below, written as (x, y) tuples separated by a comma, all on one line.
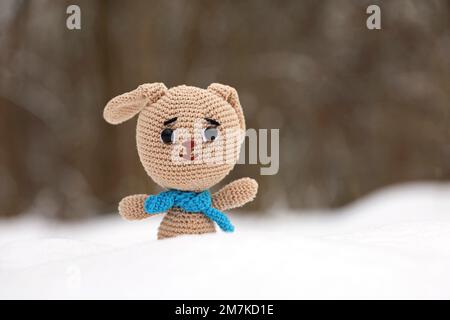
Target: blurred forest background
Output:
[(357, 109)]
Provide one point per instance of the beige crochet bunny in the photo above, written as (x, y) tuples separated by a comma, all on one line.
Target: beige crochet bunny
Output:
[(205, 117)]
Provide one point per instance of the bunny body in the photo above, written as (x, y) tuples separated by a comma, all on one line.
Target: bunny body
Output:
[(163, 112)]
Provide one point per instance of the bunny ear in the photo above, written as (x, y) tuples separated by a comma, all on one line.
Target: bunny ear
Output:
[(127, 105), (230, 95)]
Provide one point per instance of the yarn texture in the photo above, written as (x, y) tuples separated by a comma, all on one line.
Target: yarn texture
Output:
[(188, 206), (189, 202)]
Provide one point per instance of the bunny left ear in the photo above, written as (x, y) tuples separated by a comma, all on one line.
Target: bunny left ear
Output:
[(127, 105), (230, 95)]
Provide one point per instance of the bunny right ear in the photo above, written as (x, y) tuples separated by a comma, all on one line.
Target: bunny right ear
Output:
[(127, 105)]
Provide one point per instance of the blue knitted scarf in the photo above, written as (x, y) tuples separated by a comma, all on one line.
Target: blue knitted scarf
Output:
[(190, 202)]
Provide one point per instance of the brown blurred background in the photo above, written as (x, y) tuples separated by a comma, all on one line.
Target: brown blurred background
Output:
[(357, 109)]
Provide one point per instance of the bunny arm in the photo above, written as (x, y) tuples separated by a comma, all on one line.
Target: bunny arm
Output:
[(132, 207), (235, 194)]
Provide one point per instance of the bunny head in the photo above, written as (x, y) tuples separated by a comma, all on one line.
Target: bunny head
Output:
[(188, 138)]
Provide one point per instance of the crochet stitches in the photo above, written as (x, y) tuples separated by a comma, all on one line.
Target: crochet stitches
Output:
[(184, 108), (176, 223), (189, 202)]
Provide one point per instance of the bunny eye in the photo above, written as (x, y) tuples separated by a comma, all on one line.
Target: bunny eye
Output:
[(210, 134), (168, 136)]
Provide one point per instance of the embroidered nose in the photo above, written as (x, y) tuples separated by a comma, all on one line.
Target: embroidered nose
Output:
[(189, 147)]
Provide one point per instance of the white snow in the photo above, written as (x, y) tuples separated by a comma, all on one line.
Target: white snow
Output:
[(392, 244)]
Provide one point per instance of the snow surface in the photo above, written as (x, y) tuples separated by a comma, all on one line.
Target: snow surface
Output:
[(392, 244)]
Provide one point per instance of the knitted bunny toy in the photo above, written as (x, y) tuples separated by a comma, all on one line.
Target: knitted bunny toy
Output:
[(188, 139)]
